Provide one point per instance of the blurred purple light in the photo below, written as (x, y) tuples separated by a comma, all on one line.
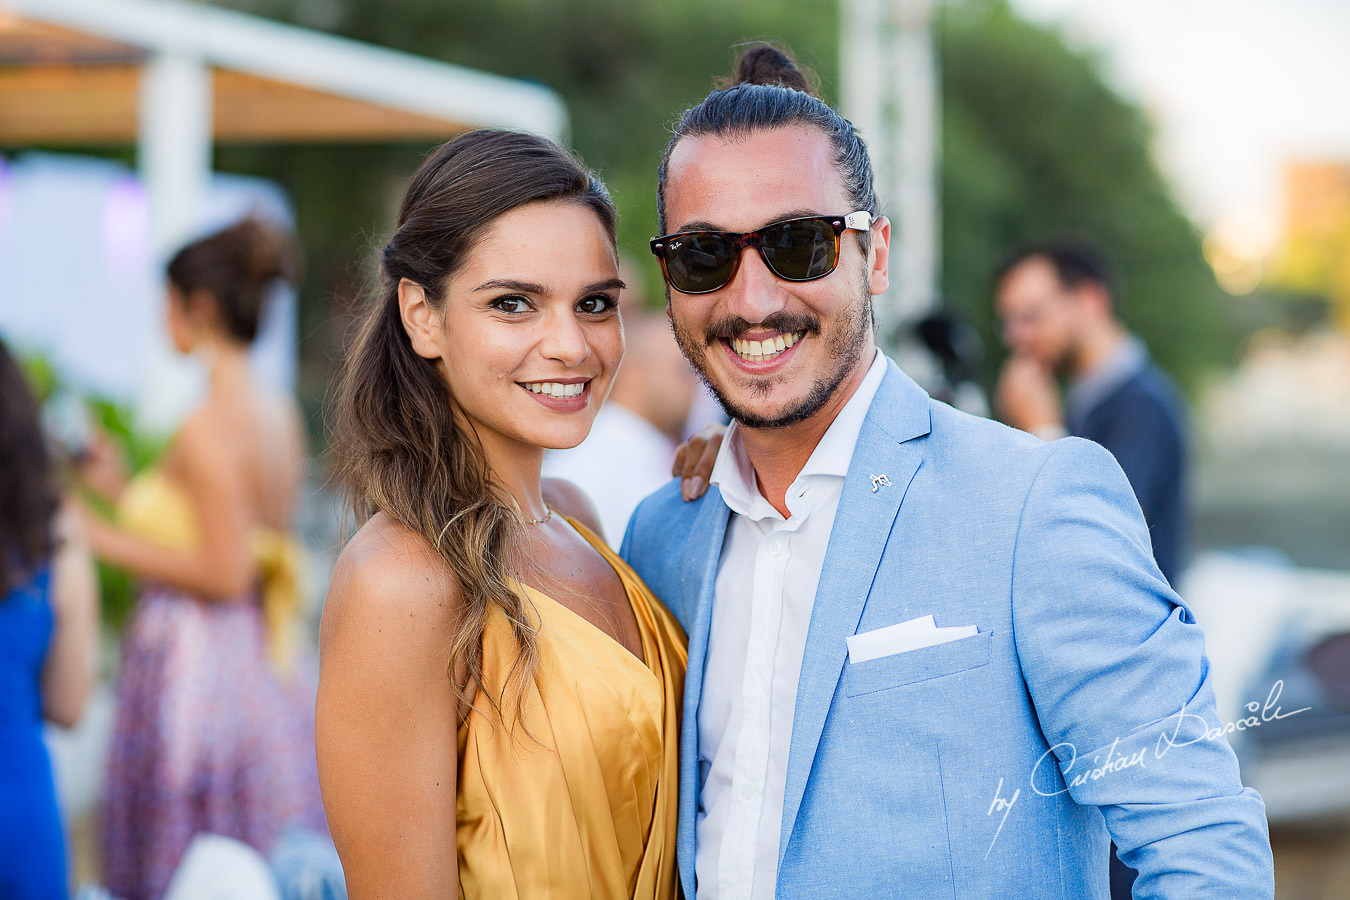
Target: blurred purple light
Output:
[(126, 224)]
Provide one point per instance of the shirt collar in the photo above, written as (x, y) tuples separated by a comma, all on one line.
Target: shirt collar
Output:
[(1127, 359), (734, 475)]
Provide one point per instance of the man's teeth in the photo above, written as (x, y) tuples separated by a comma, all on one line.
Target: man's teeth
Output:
[(758, 351), (554, 389)]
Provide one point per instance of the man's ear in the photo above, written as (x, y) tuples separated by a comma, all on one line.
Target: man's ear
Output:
[(419, 319), (879, 253)]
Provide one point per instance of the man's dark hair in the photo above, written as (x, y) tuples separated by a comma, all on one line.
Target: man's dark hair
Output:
[(769, 91), (1075, 261)]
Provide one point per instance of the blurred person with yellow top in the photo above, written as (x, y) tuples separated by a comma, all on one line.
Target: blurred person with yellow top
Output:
[(214, 728)]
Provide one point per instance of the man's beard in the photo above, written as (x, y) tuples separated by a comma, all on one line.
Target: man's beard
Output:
[(845, 344)]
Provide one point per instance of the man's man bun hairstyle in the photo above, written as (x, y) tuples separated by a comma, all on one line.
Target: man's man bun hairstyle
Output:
[(769, 90), (767, 64)]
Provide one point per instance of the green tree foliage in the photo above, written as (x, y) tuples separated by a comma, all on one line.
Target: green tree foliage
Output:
[(1033, 142), (1036, 145), (625, 70)]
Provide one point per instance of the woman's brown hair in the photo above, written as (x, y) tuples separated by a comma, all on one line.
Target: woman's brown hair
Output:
[(401, 447), (235, 267), (29, 497)]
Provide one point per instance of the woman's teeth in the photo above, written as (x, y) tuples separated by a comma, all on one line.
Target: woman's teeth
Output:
[(554, 389), (759, 351)]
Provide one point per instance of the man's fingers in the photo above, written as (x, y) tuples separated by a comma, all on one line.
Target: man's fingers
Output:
[(677, 467), (700, 453)]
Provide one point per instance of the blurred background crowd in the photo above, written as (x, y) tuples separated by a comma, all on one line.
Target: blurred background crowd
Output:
[(1200, 145)]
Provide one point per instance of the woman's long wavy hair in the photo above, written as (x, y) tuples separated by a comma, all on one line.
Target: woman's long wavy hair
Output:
[(402, 446), (29, 497)]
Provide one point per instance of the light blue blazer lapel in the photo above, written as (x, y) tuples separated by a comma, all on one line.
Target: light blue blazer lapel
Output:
[(697, 580), (862, 525)]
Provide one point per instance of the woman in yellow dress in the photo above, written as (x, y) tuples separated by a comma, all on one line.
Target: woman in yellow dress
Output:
[(214, 700), (499, 694)]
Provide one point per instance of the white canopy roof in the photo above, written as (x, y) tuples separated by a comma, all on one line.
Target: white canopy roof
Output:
[(176, 77), (301, 57)]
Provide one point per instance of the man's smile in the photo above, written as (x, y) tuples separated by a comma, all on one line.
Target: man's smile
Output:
[(764, 350)]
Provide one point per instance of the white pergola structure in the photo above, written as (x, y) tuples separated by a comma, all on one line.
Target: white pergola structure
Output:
[(174, 77), (888, 80)]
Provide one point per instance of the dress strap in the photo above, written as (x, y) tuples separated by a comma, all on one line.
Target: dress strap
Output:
[(280, 563)]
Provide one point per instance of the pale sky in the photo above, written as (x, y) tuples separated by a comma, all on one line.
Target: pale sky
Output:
[(1235, 88)]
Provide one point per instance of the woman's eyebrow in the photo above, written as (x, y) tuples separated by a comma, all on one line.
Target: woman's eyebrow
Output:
[(530, 287), (526, 287)]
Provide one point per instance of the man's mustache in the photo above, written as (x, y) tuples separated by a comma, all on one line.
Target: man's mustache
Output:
[(783, 322)]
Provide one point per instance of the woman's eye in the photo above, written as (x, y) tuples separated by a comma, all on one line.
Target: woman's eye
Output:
[(597, 304), (511, 304)]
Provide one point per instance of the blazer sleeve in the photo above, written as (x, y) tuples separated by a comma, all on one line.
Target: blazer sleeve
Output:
[(1116, 668)]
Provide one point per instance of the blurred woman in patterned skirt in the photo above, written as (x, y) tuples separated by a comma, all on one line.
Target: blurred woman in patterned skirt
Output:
[(215, 723)]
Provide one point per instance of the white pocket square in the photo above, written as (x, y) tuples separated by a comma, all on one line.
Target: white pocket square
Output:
[(912, 635)]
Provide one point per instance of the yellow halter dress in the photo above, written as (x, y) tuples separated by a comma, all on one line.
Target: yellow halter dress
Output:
[(578, 799)]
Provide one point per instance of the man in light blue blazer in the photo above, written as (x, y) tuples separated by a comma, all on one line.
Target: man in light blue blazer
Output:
[(929, 656)]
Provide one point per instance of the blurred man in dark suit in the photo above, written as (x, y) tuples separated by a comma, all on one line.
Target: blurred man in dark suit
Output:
[(1059, 318)]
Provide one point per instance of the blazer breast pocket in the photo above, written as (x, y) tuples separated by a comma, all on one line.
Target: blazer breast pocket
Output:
[(914, 666)]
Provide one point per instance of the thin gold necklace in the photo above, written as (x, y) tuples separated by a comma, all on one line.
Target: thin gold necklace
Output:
[(540, 521)]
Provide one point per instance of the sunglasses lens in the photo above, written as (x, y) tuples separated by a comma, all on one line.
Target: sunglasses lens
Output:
[(699, 262), (801, 249)]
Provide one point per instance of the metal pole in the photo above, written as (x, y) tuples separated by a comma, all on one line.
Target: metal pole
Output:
[(174, 145), (174, 156), (889, 90), (863, 80), (916, 159)]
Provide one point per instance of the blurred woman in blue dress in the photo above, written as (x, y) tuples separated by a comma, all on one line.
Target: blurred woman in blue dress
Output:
[(48, 622)]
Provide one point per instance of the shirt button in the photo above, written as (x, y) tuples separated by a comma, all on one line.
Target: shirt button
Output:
[(747, 791), (762, 672), (776, 548)]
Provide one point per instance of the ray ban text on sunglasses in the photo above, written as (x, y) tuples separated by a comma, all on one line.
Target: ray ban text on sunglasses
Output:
[(804, 249)]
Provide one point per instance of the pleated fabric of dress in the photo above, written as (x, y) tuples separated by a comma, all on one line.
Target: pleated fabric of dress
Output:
[(576, 798), (210, 735)]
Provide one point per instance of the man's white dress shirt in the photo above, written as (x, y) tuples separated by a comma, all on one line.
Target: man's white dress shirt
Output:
[(766, 585)]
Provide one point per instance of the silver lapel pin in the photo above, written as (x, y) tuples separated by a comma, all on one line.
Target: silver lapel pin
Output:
[(880, 481)]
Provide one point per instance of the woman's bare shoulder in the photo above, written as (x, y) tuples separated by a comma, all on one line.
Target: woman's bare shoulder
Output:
[(386, 714), (270, 414), (389, 578), (201, 431)]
